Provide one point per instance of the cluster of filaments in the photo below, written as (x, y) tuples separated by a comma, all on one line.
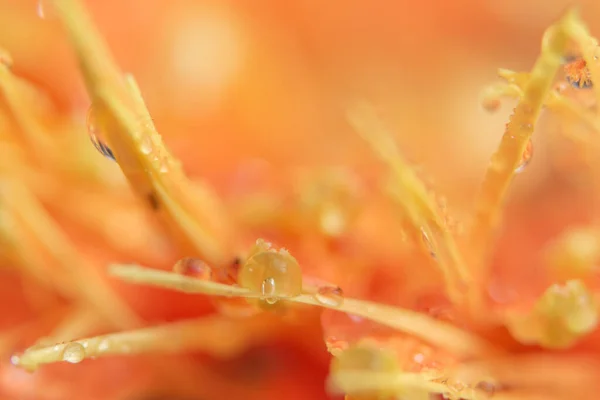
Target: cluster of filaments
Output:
[(266, 276)]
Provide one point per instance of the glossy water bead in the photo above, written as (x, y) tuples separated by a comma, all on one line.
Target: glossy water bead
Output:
[(272, 273)]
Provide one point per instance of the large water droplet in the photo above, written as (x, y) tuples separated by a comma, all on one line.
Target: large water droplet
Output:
[(95, 133), (193, 267), (74, 353), (330, 296), (526, 158), (271, 273)]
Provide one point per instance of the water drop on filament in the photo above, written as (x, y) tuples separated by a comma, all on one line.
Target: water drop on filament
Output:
[(95, 134), (73, 353), (194, 268), (526, 158), (330, 296)]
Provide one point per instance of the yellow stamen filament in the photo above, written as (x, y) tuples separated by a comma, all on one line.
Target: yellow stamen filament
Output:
[(410, 193), (204, 334), (75, 270), (420, 325), (514, 142), (192, 211)]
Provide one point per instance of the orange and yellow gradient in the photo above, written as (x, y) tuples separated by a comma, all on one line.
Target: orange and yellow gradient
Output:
[(299, 200)]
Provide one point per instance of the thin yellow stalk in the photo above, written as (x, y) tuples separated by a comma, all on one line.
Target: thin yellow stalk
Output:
[(517, 135), (433, 331), (410, 193), (77, 277), (192, 211), (215, 335)]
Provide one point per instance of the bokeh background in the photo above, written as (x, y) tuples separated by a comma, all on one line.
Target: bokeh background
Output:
[(233, 85)]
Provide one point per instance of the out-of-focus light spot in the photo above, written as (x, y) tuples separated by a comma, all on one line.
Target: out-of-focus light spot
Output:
[(207, 51)]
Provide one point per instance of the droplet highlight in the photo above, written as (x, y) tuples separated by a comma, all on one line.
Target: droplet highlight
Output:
[(74, 353), (526, 158), (146, 145), (268, 290), (330, 296), (427, 242)]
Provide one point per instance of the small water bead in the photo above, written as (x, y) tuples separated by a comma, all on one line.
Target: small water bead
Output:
[(427, 242), (103, 346), (95, 134), (194, 268), (490, 103), (73, 353), (271, 273), (146, 145), (330, 296), (164, 166), (5, 58), (526, 158), (15, 360), (364, 357), (44, 9)]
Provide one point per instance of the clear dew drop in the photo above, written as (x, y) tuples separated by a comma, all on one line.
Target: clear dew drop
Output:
[(330, 296), (41, 9), (146, 145), (164, 166), (268, 290), (526, 158), (194, 268), (6, 59), (95, 135), (74, 353), (45, 10), (428, 243), (103, 346), (490, 104), (15, 360)]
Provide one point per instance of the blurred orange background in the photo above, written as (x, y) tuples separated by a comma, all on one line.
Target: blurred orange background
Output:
[(232, 82)]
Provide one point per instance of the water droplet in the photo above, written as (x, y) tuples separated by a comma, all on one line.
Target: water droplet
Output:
[(74, 353), (104, 346), (146, 145), (5, 59), (330, 296), (41, 9), (193, 267), (164, 166), (419, 358), (95, 134), (271, 273), (428, 243), (490, 104), (333, 222), (45, 10), (268, 290), (526, 158), (15, 360), (486, 387)]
